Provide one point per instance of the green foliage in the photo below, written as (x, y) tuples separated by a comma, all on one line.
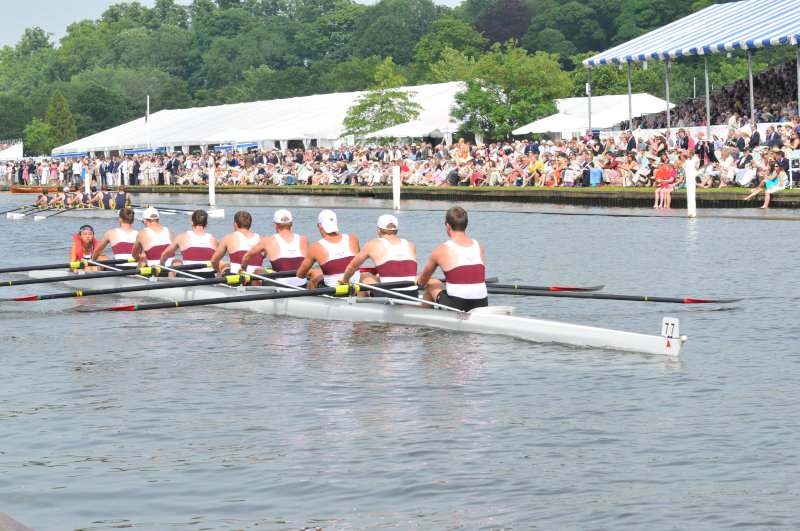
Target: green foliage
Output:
[(452, 66), (382, 107), (448, 32), (504, 20), (15, 114), (60, 120), (510, 88), (38, 138)]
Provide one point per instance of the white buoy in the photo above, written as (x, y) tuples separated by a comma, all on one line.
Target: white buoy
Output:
[(396, 187)]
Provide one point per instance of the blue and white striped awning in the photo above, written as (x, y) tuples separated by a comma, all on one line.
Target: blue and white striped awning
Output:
[(75, 155), (143, 150), (230, 147), (748, 24)]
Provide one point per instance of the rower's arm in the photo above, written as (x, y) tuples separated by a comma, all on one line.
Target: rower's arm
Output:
[(428, 270), (168, 252), (102, 245), (253, 251), (136, 252), (355, 263), (308, 261), (218, 254)]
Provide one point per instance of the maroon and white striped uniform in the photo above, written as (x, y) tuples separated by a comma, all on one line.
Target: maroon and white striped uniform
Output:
[(245, 244), (467, 280), (125, 240), (339, 257), (289, 259), (198, 251), (399, 265), (158, 242)]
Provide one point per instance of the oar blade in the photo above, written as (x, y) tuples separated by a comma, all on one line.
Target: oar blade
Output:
[(688, 300), (15, 215), (39, 218)]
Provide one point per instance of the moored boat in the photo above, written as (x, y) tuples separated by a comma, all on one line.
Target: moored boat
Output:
[(497, 320)]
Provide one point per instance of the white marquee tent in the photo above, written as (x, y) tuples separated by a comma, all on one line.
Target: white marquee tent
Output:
[(266, 123), (573, 114)]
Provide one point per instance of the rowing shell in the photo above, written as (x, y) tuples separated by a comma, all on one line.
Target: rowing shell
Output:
[(498, 320), (102, 213)]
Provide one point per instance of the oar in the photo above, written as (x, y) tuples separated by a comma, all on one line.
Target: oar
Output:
[(149, 286), (340, 291), (70, 265), (21, 215), (608, 296), (23, 207), (144, 271), (381, 288), (545, 288), (46, 216)]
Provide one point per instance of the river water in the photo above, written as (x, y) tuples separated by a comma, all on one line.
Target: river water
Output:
[(207, 418)]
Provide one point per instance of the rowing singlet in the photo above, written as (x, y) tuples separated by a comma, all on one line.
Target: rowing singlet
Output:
[(399, 265), (289, 259), (339, 257), (245, 244), (122, 249), (199, 251), (467, 280), (158, 242)]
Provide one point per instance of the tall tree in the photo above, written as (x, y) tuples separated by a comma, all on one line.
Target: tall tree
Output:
[(38, 138), (448, 32), (509, 88), (504, 20), (59, 118), (383, 107)]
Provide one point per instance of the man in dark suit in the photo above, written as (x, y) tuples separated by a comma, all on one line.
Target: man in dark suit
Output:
[(631, 145), (772, 139), (755, 137)]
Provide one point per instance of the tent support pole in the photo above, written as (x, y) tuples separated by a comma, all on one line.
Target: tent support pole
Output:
[(667, 65), (750, 79), (589, 96), (630, 101), (708, 99), (797, 47)]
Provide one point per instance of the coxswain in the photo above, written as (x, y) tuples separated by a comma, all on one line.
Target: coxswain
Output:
[(152, 240), (333, 252), (196, 245), (236, 244), (461, 260), (83, 245), (285, 250), (395, 259), (120, 238)]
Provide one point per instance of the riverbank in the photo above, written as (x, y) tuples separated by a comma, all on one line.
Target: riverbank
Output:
[(605, 196)]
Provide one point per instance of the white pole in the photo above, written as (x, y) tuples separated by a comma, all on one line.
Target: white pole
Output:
[(708, 101), (589, 96), (87, 180), (630, 101), (750, 78), (667, 64), (690, 174), (396, 187), (212, 178), (147, 121)]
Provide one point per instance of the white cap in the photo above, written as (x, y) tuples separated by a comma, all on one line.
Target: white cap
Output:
[(327, 220), (282, 216), (388, 222), (150, 213), (66, 188)]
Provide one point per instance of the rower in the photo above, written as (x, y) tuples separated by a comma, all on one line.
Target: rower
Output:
[(121, 238), (151, 241), (83, 245), (60, 199), (236, 244), (196, 245), (107, 198), (43, 200), (333, 252), (285, 250), (94, 199), (461, 260), (394, 258), (121, 199), (75, 200)]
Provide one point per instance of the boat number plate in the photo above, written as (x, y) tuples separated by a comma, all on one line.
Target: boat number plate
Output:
[(463, 316), (670, 327)]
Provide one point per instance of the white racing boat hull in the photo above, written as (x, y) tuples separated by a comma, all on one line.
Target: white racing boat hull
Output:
[(492, 320), (101, 213)]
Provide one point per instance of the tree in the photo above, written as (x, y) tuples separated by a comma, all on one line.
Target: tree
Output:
[(448, 32), (504, 20), (452, 66), (383, 107), (59, 118), (510, 88), (38, 138), (15, 114)]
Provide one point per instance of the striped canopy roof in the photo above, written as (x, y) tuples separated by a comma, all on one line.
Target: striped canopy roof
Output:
[(741, 25)]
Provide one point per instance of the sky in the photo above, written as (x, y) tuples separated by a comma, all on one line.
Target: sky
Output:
[(55, 15)]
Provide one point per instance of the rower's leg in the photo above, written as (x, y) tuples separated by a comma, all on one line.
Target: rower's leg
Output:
[(432, 290)]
